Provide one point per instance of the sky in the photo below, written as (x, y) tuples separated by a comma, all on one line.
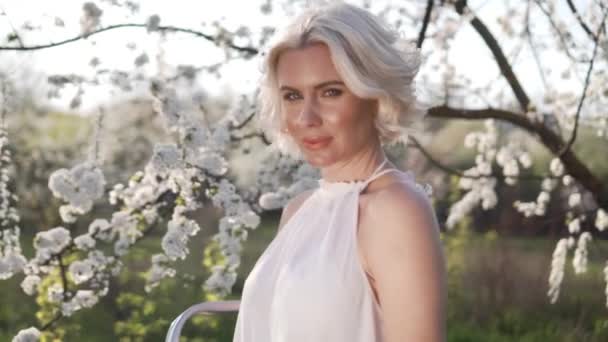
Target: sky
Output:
[(112, 50)]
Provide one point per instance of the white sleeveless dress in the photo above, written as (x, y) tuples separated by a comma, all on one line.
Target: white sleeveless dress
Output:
[(309, 284)]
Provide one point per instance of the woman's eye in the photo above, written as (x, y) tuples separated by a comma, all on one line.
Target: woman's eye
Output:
[(333, 92), (291, 96)]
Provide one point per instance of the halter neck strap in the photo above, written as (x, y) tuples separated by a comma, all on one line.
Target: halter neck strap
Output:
[(377, 173), (359, 186)]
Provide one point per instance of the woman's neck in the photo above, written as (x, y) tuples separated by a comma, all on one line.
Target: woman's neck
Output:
[(356, 168)]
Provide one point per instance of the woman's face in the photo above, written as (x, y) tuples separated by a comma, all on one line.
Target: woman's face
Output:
[(326, 120)]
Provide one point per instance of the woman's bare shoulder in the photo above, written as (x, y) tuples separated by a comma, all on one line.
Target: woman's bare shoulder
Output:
[(396, 203), (401, 192)]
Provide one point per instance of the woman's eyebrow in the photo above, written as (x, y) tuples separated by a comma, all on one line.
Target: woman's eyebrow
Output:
[(318, 86)]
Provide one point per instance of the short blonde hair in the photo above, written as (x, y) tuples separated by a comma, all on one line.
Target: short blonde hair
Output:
[(373, 60)]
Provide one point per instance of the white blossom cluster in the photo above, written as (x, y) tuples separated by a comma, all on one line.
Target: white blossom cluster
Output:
[(210, 161), (82, 299), (184, 168), (160, 269), (556, 167), (27, 335), (232, 233), (142, 188), (125, 226), (200, 146), (94, 270), (30, 284), (579, 261), (221, 280), (558, 264), (510, 158), (51, 242), (79, 186), (81, 271), (91, 16), (12, 260), (280, 169), (539, 206), (69, 303), (479, 183), (574, 199), (601, 220), (141, 196), (574, 226), (179, 229)]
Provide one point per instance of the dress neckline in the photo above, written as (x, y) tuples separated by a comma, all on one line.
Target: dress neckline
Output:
[(342, 186)]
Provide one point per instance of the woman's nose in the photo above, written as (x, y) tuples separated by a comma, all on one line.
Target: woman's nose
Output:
[(309, 114)]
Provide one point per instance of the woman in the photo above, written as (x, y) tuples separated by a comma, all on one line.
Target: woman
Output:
[(359, 258)]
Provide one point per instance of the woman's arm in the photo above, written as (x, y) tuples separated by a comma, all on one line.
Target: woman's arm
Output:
[(404, 254)]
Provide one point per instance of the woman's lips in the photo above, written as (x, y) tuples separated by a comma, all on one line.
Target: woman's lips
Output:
[(316, 143)]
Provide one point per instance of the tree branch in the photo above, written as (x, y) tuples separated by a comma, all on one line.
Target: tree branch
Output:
[(245, 122), (425, 22), (551, 140), (261, 136), (595, 38), (416, 144), (51, 322), (248, 50), (436, 163), (64, 278), (503, 63)]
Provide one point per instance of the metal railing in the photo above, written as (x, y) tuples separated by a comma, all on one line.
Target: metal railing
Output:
[(204, 308)]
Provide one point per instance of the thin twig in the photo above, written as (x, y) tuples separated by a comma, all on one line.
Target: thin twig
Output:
[(64, 278), (533, 47), (580, 20), (249, 50), (584, 95), (245, 122), (51, 322), (416, 144), (261, 136), (559, 33), (425, 22)]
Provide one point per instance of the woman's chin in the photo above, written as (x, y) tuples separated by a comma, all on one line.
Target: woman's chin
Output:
[(318, 161)]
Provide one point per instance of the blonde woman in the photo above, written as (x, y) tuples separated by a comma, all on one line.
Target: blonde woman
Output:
[(359, 258)]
